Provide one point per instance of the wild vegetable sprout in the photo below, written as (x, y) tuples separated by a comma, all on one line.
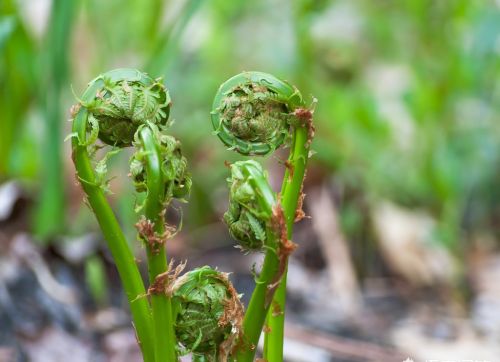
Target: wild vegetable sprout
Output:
[(199, 312)]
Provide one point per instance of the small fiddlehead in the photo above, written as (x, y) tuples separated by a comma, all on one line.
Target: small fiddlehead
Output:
[(207, 313), (174, 174), (250, 205), (252, 112)]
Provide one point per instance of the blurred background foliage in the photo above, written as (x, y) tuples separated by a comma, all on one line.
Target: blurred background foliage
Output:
[(408, 90)]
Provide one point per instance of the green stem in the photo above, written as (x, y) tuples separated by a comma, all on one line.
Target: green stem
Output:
[(157, 259), (122, 255), (290, 194), (259, 304)]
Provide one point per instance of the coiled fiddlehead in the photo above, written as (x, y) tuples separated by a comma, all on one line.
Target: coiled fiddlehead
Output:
[(250, 205), (253, 111), (120, 101), (207, 313)]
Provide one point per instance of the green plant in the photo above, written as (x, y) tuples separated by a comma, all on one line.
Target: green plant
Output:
[(125, 107), (199, 312), (254, 113)]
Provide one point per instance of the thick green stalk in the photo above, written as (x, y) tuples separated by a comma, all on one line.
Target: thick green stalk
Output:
[(290, 194), (259, 305), (157, 259), (122, 255)]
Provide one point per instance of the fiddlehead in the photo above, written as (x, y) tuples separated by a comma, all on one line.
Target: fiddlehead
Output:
[(174, 174), (120, 101), (252, 112), (207, 313), (251, 200)]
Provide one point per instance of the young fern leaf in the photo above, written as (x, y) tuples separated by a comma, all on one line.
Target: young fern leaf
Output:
[(176, 179), (121, 101), (252, 112), (207, 313), (250, 205)]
